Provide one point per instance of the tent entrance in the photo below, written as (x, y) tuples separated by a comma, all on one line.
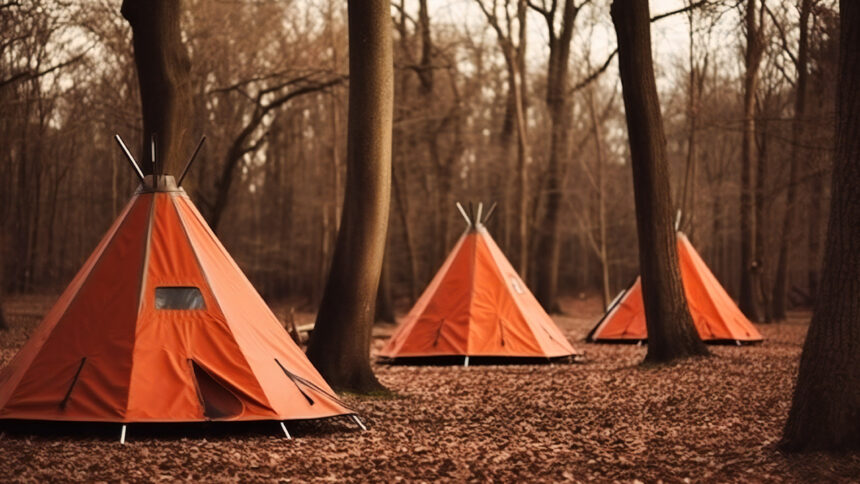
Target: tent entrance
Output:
[(217, 400)]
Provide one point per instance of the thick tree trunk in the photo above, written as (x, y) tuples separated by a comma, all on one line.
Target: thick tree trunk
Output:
[(780, 287), (748, 257), (164, 73), (825, 412), (3, 323), (340, 344), (671, 333)]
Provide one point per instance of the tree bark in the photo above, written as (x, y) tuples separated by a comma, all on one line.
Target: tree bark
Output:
[(748, 257), (825, 412), (671, 333), (780, 287), (164, 74), (601, 202), (340, 344), (760, 227), (557, 96), (384, 302)]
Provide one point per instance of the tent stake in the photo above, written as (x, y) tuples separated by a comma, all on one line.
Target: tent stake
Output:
[(284, 428), (122, 435), (358, 421), (466, 362)]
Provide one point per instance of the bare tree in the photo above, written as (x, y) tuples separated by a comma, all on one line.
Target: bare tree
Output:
[(780, 286), (749, 264), (513, 46), (163, 70), (671, 333), (557, 101), (824, 412), (339, 346)]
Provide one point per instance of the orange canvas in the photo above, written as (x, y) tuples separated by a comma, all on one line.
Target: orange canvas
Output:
[(477, 305), (161, 325), (715, 314)]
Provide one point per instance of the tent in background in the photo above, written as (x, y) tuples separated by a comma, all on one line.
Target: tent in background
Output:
[(715, 314), (161, 325), (477, 306)]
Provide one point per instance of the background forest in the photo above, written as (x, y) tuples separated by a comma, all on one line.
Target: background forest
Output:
[(502, 101)]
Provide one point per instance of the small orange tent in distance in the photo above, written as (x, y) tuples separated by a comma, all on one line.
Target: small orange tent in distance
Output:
[(715, 314), (161, 325), (476, 307)]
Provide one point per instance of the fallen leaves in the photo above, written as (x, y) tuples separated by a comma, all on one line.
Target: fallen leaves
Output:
[(608, 419)]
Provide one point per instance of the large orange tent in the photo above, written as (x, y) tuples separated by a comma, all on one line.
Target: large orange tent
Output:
[(161, 325), (715, 314), (477, 306)]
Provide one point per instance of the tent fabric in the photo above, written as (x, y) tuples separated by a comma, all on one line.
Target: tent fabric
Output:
[(715, 315), (477, 305), (106, 353)]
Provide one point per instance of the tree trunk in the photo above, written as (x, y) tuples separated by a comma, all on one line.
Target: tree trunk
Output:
[(671, 333), (3, 323), (601, 202), (557, 96), (339, 346), (780, 287), (816, 208), (384, 303), (164, 73), (825, 412), (760, 228), (748, 257)]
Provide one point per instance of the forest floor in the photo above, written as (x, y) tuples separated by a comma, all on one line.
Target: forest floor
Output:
[(606, 419)]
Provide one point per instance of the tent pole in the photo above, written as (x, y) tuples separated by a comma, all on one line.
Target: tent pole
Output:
[(128, 156), (154, 169), (122, 435), (190, 160), (358, 421), (478, 217), (463, 213), (466, 362), (284, 428), (490, 213)]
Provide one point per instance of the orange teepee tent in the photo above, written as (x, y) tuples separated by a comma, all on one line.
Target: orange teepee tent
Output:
[(477, 306), (160, 325), (714, 313)]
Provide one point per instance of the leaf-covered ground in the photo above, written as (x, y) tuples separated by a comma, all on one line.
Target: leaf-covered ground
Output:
[(608, 419)]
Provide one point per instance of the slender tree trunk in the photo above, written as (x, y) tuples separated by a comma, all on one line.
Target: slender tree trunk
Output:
[(164, 73), (601, 203), (816, 209), (780, 287), (671, 333), (557, 96), (748, 257), (761, 228), (340, 344), (401, 197), (825, 412), (384, 302)]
